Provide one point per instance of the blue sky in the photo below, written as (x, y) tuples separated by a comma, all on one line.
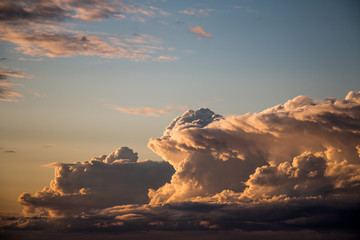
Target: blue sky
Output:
[(250, 56)]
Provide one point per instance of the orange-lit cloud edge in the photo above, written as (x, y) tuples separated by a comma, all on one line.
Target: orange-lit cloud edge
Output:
[(294, 166)]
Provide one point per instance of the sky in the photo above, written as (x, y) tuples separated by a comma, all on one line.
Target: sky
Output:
[(147, 115)]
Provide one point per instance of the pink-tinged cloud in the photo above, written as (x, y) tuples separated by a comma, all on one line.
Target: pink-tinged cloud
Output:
[(195, 12), (165, 58), (303, 148), (39, 40), (35, 27), (148, 111), (55, 11), (7, 94), (199, 31)]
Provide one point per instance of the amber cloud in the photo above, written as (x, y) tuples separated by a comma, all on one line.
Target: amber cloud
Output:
[(199, 31), (291, 166)]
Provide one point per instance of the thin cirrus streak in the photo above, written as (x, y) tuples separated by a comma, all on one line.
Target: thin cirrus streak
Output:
[(165, 58), (199, 12), (199, 31), (6, 93), (148, 111), (292, 166)]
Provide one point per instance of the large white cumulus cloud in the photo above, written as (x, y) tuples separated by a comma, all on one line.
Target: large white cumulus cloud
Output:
[(103, 181), (294, 166), (301, 148)]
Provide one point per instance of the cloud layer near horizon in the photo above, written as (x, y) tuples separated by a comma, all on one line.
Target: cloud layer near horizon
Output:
[(293, 166), (104, 181)]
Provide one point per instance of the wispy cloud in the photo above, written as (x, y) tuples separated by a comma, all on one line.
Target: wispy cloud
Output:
[(7, 94), (7, 73), (165, 58), (148, 111), (199, 31), (37, 29), (55, 11), (197, 12), (246, 9), (138, 19), (39, 40), (160, 11), (9, 151)]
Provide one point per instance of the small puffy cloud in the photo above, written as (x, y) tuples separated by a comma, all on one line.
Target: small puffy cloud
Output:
[(165, 58), (104, 181), (148, 111), (199, 31)]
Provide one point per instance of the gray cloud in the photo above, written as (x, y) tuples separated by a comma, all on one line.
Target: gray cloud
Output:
[(282, 215)]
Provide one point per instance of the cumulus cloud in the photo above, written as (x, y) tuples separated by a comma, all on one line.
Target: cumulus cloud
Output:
[(294, 166), (104, 181), (288, 150), (37, 29), (148, 111), (199, 31)]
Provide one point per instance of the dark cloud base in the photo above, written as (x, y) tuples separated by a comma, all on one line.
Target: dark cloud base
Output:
[(323, 218), (180, 235)]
